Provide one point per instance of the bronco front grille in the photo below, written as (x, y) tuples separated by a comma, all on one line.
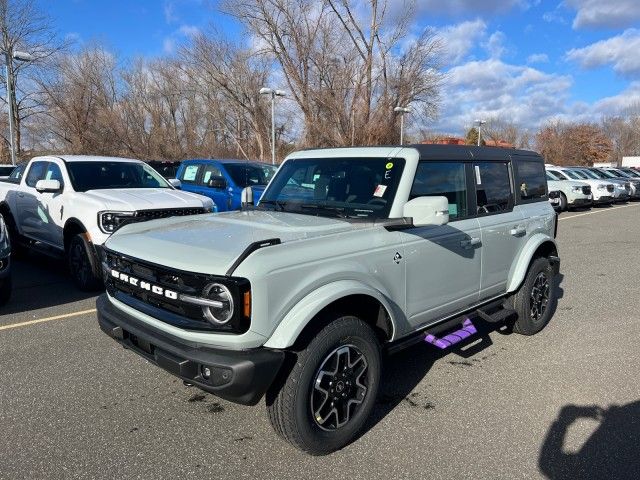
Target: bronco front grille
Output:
[(177, 312), (586, 190)]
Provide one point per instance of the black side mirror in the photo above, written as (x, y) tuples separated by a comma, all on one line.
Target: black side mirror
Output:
[(217, 182)]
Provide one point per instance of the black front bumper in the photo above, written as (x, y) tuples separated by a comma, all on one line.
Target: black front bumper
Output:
[(238, 376)]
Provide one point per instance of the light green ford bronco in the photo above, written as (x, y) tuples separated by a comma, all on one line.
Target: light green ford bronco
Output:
[(350, 253)]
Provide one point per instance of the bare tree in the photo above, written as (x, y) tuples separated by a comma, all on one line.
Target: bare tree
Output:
[(346, 64), (573, 143), (24, 27)]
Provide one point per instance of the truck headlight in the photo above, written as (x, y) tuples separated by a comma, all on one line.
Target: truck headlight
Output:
[(110, 221), (220, 308)]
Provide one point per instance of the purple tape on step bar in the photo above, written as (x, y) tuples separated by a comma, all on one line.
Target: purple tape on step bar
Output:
[(452, 338)]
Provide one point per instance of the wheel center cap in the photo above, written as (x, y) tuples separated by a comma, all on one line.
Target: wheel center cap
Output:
[(339, 387)]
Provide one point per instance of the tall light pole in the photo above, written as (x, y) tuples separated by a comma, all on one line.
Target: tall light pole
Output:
[(401, 111), (274, 93), (480, 123), (9, 57)]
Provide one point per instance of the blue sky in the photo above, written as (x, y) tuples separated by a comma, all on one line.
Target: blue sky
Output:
[(523, 60)]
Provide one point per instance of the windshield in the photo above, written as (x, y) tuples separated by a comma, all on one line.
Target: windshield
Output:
[(631, 173), (617, 173), (102, 175), (575, 175), (335, 187), (551, 176), (605, 174), (247, 175), (588, 174)]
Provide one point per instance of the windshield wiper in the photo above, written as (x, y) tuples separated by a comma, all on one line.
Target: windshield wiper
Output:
[(337, 211), (277, 204)]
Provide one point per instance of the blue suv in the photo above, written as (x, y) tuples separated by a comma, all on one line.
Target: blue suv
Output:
[(223, 180)]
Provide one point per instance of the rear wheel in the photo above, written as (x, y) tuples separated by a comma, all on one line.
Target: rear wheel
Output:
[(331, 390), (83, 264), (5, 289), (534, 301)]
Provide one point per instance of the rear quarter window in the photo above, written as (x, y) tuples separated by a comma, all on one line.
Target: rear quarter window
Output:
[(531, 181)]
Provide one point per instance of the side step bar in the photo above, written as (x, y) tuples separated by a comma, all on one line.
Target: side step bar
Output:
[(452, 338)]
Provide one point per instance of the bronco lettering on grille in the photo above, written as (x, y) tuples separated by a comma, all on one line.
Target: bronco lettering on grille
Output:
[(142, 285)]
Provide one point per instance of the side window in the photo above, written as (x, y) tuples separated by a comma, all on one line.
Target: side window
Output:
[(16, 174), (208, 172), (446, 179), (559, 174), (54, 173), (36, 172), (493, 188), (190, 173), (531, 180)]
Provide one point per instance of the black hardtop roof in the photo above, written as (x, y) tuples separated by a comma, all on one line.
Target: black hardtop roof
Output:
[(470, 152)]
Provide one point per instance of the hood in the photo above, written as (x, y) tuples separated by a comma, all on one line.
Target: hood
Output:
[(571, 183), (210, 243), (131, 199)]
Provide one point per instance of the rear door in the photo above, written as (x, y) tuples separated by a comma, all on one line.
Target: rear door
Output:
[(442, 262), (503, 227)]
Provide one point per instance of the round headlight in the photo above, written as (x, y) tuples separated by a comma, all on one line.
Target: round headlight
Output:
[(221, 313)]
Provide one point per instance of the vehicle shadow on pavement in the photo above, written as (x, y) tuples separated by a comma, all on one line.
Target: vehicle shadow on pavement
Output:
[(611, 451), (41, 282)]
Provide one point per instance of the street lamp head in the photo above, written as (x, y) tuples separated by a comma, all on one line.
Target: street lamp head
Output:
[(280, 93), (481, 122), (265, 91), (23, 56), (402, 110)]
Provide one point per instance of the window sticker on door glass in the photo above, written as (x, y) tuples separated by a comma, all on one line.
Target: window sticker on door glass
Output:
[(190, 173), (478, 178), (207, 176), (453, 209), (379, 191)]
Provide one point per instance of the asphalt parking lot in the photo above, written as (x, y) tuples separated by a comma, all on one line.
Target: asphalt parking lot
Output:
[(562, 404)]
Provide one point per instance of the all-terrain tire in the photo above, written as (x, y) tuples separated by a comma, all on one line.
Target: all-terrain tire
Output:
[(564, 204), (535, 300), (294, 409)]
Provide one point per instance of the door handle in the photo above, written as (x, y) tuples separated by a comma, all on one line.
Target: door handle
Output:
[(472, 242), (518, 230)]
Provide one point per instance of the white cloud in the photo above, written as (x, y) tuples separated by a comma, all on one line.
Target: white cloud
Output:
[(618, 104), (189, 30), (554, 16), (461, 38), (620, 51), (169, 45), (495, 45), (538, 58), (466, 7), (598, 13), (169, 12), (493, 88)]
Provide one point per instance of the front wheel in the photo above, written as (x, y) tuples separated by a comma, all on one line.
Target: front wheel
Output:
[(534, 301), (83, 264), (564, 204), (331, 390)]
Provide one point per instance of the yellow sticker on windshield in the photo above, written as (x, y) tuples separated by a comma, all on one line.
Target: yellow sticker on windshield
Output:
[(389, 166)]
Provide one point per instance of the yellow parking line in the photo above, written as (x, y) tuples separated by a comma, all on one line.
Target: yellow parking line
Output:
[(599, 211), (48, 319)]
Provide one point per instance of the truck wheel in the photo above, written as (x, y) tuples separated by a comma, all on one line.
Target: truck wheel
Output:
[(83, 264), (17, 248), (564, 204), (534, 299), (331, 390)]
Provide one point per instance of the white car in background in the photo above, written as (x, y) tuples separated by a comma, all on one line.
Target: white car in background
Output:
[(573, 194), (603, 192), (633, 178), (622, 186)]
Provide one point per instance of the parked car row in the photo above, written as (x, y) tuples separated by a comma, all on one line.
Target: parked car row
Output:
[(582, 186)]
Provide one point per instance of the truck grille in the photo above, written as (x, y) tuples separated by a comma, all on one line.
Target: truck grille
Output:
[(610, 188), (144, 215), (586, 190), (173, 310)]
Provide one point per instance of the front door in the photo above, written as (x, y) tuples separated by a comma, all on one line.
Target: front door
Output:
[(31, 213), (442, 262)]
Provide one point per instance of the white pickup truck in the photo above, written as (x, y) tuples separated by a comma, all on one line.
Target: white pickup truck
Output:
[(69, 205)]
